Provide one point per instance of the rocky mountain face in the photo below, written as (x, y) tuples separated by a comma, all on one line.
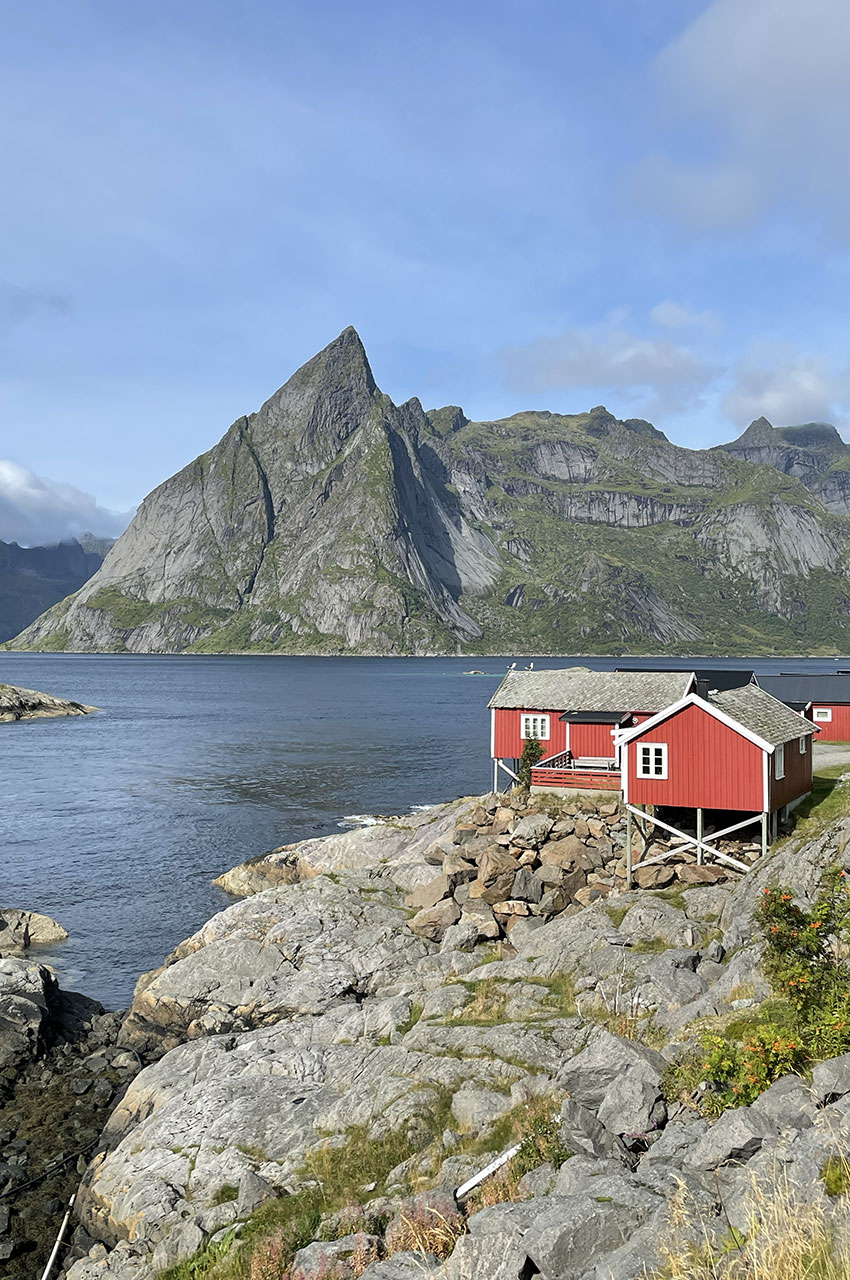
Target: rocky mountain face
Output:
[(34, 578), (333, 520)]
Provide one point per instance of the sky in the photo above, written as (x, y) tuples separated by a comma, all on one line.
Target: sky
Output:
[(532, 204)]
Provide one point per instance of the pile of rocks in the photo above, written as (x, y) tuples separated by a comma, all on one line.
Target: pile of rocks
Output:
[(508, 860), (61, 1072)]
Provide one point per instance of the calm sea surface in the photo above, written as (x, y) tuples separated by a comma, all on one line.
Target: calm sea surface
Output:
[(116, 823)]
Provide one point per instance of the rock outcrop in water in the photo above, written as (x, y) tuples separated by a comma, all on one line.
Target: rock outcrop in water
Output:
[(333, 520), (311, 1019), (29, 704)]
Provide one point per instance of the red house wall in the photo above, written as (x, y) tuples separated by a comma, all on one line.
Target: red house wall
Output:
[(508, 741), (592, 740), (709, 765), (798, 775), (838, 728)]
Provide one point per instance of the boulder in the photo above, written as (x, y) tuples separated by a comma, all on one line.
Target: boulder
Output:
[(530, 832), (460, 937), (432, 922), (19, 930), (654, 877), (564, 853), (527, 886), (343, 1259), (428, 895), (831, 1079), (733, 1139)]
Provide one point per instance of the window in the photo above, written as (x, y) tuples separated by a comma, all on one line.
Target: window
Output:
[(803, 741), (779, 762), (535, 727), (652, 760), (824, 714)]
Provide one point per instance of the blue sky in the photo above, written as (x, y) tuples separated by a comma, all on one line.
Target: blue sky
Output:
[(641, 203)]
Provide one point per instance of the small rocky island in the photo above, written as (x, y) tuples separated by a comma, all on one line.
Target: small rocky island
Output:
[(29, 704)]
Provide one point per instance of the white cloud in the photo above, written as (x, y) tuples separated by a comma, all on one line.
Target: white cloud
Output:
[(767, 82), (673, 315), (34, 511), (786, 388), (660, 373)]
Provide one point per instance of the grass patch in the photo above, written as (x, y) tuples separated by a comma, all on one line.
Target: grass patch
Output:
[(835, 1175), (226, 1194), (829, 800), (332, 1177)]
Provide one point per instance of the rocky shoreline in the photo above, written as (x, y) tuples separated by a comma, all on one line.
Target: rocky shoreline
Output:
[(29, 704), (381, 1014)]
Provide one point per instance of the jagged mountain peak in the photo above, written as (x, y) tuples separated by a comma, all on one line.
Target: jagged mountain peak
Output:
[(340, 367), (760, 431)]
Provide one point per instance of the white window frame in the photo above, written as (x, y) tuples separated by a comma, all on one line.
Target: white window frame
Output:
[(535, 726), (657, 757), (822, 715), (779, 762), (803, 744)]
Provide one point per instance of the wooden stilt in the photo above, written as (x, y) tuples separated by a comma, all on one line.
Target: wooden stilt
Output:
[(764, 835), (628, 848), (699, 837)]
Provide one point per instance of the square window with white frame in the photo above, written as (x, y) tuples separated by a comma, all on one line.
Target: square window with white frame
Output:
[(652, 760), (822, 715), (534, 726)]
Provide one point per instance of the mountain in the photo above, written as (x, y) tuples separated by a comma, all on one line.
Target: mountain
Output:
[(333, 520), (34, 578)]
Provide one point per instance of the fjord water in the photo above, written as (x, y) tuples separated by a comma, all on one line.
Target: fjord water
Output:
[(116, 823)]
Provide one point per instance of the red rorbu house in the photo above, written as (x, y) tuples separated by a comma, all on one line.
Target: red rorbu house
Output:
[(741, 751), (575, 713), (822, 698)]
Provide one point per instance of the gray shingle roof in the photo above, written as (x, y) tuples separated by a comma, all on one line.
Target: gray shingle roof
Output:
[(802, 687), (763, 714), (579, 689)]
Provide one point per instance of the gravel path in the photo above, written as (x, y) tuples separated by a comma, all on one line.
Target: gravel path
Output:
[(829, 753)]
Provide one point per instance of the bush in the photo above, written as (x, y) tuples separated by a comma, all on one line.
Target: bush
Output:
[(804, 953), (532, 753)]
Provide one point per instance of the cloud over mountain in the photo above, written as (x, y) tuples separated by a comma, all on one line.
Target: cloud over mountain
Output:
[(34, 510)]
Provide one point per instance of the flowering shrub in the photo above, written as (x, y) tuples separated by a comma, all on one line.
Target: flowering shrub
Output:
[(804, 959)]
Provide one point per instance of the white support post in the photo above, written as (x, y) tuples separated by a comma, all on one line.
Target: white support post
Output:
[(495, 775), (687, 841), (699, 838), (764, 840), (628, 848), (506, 770)]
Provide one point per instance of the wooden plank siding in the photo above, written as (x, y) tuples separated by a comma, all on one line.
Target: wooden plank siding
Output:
[(583, 739), (798, 774), (592, 740), (838, 728), (709, 765), (508, 741)]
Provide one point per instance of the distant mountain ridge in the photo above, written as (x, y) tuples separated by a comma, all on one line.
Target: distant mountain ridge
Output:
[(34, 578), (333, 520)]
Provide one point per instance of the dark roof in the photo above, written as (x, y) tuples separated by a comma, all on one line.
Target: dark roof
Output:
[(718, 677), (762, 714), (799, 687), (595, 717), (579, 689)]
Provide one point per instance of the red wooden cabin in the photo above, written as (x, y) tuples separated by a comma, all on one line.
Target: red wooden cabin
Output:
[(823, 699), (575, 713), (741, 751)]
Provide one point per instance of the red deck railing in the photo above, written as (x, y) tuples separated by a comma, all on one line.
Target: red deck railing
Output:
[(577, 779)]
